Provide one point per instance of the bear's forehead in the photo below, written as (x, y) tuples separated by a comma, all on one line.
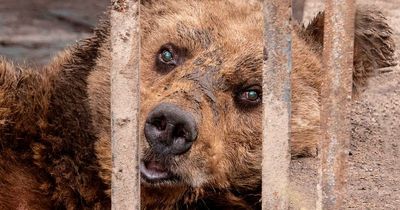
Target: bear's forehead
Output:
[(227, 22), (231, 29)]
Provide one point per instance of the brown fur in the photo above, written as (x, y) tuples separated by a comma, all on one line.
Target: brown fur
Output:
[(46, 129), (55, 124)]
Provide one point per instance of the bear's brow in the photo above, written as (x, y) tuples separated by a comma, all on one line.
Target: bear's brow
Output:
[(198, 35), (249, 62)]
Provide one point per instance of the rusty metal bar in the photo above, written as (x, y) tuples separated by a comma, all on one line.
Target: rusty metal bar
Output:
[(125, 104), (336, 103), (276, 101)]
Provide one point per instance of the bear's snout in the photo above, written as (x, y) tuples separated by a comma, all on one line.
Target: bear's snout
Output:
[(170, 130)]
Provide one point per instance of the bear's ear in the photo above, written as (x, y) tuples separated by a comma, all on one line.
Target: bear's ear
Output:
[(374, 46), (314, 33), (373, 43)]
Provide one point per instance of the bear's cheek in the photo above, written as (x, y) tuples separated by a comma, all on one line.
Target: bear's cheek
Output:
[(209, 159), (207, 162), (244, 141), (225, 150)]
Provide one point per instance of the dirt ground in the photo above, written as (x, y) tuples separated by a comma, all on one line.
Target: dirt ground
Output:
[(33, 31)]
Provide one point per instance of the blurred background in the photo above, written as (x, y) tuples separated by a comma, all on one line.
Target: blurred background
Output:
[(32, 31)]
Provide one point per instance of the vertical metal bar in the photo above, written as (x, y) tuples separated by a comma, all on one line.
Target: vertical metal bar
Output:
[(125, 103), (276, 101), (335, 103)]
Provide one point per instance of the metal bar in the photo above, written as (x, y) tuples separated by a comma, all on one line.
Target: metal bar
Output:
[(125, 104), (336, 103), (276, 101)]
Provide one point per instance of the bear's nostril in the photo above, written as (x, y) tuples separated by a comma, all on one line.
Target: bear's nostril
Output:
[(180, 132), (160, 123)]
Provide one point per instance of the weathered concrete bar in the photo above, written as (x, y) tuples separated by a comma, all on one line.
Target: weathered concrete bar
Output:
[(276, 102), (125, 103)]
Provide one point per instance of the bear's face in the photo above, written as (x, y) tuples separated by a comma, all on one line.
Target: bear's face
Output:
[(200, 117)]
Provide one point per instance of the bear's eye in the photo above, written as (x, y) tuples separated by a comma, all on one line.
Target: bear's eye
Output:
[(249, 97), (170, 56), (167, 56)]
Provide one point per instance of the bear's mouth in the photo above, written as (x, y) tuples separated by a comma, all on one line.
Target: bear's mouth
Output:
[(155, 172)]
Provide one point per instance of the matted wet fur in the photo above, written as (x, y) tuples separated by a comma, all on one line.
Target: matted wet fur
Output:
[(55, 126)]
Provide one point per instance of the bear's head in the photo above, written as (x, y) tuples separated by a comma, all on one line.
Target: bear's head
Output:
[(200, 104), (200, 117)]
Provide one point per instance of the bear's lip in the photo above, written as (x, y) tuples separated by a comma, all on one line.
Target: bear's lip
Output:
[(153, 171)]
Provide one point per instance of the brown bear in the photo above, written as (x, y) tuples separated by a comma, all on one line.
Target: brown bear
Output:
[(200, 119)]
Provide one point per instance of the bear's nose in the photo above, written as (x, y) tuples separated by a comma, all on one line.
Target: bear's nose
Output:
[(170, 130)]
